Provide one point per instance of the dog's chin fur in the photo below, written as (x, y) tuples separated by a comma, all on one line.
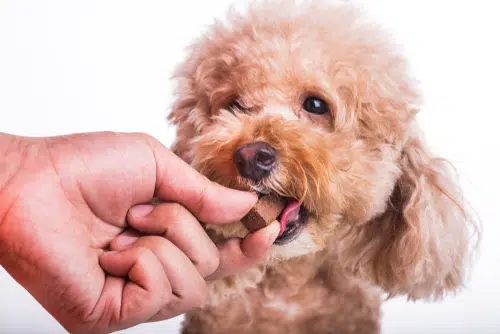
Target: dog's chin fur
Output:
[(384, 212)]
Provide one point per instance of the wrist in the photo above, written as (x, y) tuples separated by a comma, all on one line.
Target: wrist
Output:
[(11, 151)]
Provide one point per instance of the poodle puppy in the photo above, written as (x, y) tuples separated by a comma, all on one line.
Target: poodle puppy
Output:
[(312, 102)]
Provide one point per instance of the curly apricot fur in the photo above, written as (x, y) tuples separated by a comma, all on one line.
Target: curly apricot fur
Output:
[(385, 212)]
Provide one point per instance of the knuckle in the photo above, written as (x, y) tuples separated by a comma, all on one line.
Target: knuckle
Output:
[(199, 295), (166, 293), (144, 137), (202, 199), (143, 254), (211, 263), (159, 245), (177, 212), (153, 245)]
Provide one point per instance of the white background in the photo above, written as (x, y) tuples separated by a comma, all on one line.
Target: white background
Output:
[(74, 66)]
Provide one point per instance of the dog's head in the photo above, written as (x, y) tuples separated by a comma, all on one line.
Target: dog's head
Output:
[(315, 104)]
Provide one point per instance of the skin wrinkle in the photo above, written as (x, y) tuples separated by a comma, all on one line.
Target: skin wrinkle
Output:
[(386, 215), (106, 305), (59, 177), (200, 202), (95, 244)]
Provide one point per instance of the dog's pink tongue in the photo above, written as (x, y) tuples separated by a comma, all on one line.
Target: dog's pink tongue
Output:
[(291, 212)]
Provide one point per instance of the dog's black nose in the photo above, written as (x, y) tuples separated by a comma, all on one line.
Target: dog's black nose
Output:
[(255, 160)]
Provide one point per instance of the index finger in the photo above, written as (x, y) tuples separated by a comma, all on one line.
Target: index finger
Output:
[(237, 255), (210, 202)]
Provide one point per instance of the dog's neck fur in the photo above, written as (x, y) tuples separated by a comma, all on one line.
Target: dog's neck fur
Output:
[(284, 277)]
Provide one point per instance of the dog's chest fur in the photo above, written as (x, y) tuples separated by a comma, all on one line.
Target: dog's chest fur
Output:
[(310, 294)]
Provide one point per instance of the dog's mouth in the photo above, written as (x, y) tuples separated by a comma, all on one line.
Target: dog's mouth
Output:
[(293, 219)]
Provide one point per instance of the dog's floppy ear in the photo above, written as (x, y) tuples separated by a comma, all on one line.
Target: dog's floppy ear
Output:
[(184, 106), (199, 85), (189, 111), (420, 246)]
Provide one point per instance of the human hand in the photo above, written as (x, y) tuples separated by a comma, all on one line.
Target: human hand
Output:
[(65, 200)]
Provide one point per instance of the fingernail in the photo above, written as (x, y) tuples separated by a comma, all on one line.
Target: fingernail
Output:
[(254, 197), (141, 210), (273, 231), (125, 239)]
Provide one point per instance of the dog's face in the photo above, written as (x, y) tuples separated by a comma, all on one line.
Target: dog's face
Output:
[(312, 104), (290, 106)]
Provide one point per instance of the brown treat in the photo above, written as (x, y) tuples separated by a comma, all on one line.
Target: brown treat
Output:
[(265, 211)]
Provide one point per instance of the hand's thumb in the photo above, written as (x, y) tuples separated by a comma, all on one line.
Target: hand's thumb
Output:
[(209, 202)]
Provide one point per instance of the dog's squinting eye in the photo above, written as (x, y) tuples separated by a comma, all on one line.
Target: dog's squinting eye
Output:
[(315, 105), (235, 105)]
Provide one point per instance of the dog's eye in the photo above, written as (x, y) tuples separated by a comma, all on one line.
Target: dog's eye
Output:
[(235, 105), (315, 105)]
